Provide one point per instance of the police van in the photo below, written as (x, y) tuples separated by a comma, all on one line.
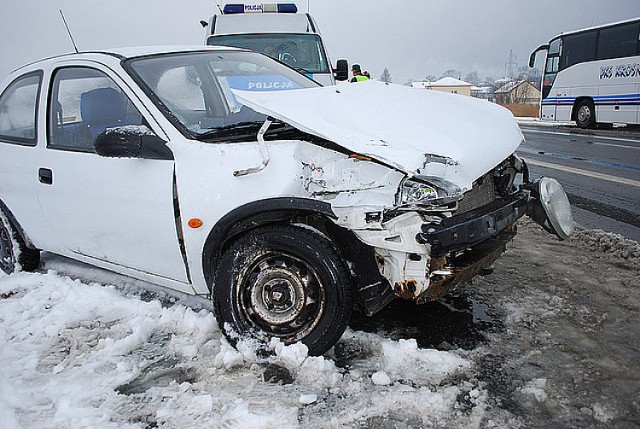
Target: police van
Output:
[(279, 31)]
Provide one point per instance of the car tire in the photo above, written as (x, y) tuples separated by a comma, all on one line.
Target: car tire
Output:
[(14, 253), (283, 281), (586, 114)]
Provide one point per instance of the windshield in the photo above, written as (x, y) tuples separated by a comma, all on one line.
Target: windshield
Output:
[(196, 89), (303, 52)]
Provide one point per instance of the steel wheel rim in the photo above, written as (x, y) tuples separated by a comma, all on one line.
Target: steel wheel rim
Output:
[(584, 114), (281, 295)]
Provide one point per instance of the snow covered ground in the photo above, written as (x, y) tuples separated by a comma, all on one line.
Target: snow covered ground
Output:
[(81, 347), (525, 121)]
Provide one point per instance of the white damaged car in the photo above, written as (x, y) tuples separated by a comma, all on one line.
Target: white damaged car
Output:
[(221, 172)]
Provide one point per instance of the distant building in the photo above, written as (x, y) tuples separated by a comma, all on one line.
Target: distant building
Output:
[(483, 92), (446, 84), (518, 92)]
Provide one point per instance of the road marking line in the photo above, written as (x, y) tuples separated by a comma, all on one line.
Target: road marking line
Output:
[(617, 145), (586, 136), (620, 180)]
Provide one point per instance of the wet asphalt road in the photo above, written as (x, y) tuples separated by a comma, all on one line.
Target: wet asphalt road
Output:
[(599, 169)]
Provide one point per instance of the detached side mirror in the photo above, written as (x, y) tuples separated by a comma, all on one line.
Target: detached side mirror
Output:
[(131, 141), (341, 71)]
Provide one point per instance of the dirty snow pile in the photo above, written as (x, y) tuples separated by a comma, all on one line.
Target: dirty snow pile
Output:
[(617, 245), (76, 354)]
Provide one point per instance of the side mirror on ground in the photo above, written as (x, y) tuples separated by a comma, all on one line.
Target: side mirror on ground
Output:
[(131, 141), (341, 72)]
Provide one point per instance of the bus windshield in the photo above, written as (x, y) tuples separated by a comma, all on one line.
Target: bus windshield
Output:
[(303, 52)]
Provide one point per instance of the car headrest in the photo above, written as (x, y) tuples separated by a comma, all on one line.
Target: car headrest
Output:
[(102, 105)]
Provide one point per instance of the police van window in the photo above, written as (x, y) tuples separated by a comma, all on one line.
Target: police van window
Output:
[(84, 102), (302, 52), (618, 41), (18, 110)]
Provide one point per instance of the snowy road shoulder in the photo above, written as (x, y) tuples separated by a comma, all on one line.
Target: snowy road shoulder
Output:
[(78, 355)]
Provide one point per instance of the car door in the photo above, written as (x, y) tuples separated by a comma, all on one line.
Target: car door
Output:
[(116, 210), (18, 154)]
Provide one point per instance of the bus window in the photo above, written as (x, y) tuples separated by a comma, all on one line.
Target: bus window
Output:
[(554, 47), (578, 48), (620, 41), (552, 64)]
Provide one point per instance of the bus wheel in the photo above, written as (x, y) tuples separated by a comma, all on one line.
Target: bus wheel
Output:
[(586, 114)]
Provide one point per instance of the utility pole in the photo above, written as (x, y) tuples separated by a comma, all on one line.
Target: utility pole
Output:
[(511, 64)]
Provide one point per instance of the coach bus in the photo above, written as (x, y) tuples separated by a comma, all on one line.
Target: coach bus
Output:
[(592, 76)]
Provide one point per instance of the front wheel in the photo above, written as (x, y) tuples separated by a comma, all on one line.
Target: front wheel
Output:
[(586, 114), (286, 282)]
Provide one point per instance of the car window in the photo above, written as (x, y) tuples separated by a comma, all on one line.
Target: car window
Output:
[(197, 88), (18, 108), (85, 102)]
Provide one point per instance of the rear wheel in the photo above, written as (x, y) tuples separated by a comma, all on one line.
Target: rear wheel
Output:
[(14, 253), (586, 114), (286, 282)]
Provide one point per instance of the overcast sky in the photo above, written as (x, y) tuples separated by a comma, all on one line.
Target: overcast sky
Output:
[(412, 38)]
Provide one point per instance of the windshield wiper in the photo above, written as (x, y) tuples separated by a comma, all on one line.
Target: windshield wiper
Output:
[(247, 131), (232, 130)]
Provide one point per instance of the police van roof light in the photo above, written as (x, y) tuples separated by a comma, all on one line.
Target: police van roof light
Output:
[(287, 8), (233, 8), (230, 9)]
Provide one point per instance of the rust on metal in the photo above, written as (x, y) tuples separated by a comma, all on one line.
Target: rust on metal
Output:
[(406, 290), (466, 266)]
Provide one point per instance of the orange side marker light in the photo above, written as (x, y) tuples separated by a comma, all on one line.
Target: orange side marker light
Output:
[(194, 223)]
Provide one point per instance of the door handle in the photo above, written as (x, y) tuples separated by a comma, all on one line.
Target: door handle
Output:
[(45, 176)]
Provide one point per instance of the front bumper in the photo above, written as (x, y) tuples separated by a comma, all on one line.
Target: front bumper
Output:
[(423, 261), (473, 227), (465, 245)]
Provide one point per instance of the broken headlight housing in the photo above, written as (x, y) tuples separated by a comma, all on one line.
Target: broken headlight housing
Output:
[(427, 191), (550, 207)]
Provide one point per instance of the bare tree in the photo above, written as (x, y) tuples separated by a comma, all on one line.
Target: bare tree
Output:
[(488, 81), (524, 93), (452, 73), (385, 76), (473, 78), (517, 92)]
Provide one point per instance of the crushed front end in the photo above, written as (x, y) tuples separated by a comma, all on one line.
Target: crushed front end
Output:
[(437, 236)]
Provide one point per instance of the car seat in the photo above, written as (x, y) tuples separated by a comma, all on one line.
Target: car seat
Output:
[(100, 109)]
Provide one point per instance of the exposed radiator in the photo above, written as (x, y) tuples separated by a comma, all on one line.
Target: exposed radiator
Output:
[(483, 192)]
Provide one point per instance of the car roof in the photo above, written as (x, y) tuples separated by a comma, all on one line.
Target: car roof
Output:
[(137, 51), (125, 52)]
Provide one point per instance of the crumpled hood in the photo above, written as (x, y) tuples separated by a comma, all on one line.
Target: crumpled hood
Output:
[(400, 126)]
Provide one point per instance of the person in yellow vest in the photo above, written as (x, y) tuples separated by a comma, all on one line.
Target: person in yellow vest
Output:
[(357, 74)]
